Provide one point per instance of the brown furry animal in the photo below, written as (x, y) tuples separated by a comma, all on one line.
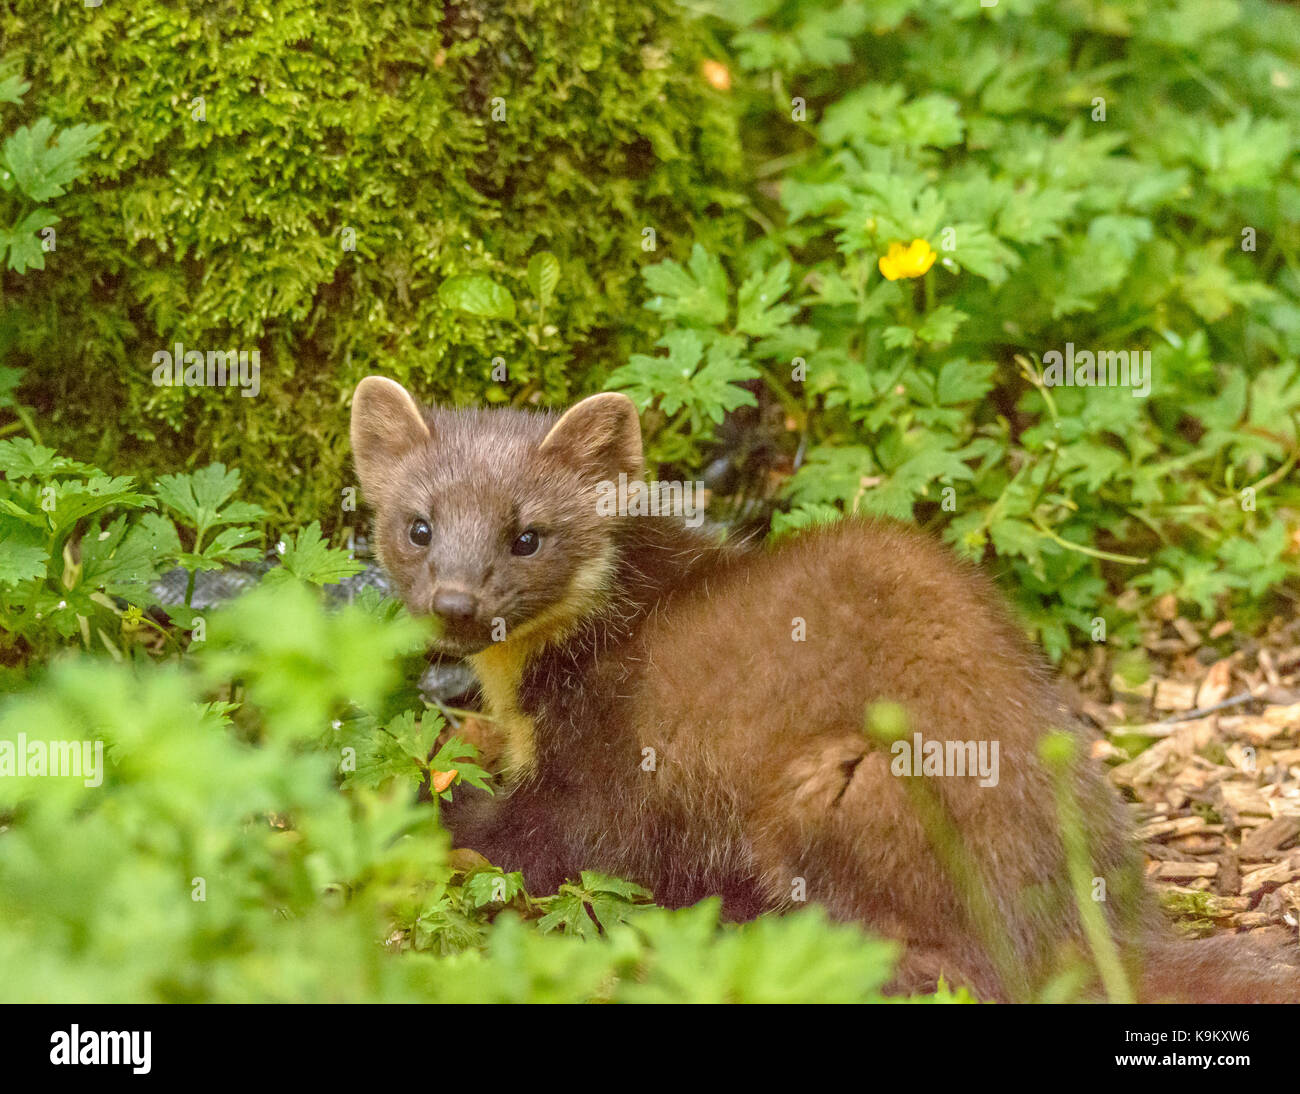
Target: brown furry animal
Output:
[(690, 715)]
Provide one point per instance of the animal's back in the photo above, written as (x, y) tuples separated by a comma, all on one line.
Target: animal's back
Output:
[(763, 674)]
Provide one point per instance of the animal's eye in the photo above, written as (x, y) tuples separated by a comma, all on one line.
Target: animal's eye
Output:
[(526, 543), (420, 532)]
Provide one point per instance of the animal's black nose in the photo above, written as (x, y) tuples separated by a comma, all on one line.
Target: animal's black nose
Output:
[(455, 605)]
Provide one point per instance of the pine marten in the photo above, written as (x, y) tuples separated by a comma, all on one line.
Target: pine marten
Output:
[(689, 714)]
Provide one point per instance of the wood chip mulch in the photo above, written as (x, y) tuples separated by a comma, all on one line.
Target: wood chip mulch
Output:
[(1207, 751)]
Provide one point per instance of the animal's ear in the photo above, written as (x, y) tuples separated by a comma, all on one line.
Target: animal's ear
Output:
[(386, 424), (600, 436)]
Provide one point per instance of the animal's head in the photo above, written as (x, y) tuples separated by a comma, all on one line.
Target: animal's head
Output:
[(488, 519)]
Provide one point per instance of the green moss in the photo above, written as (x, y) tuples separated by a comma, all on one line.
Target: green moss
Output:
[(227, 232)]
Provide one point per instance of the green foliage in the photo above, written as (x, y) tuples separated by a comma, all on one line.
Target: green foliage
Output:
[(37, 164), (81, 550), (597, 903), (63, 559), (250, 819), (308, 557), (404, 748), (1099, 175), (413, 189)]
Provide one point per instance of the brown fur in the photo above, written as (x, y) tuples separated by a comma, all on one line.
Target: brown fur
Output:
[(626, 634)]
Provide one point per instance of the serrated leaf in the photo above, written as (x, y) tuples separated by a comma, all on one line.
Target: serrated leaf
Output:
[(12, 89), (44, 163), (23, 553), (568, 910), (493, 887), (74, 499), (759, 312), (543, 276), (1012, 537), (707, 390), (25, 459), (1035, 215), (880, 114), (695, 294), (595, 882), (308, 557), (941, 325), (898, 337), (458, 754), (25, 248), (962, 381), (228, 546), (832, 474), (200, 497), (980, 251), (116, 561)]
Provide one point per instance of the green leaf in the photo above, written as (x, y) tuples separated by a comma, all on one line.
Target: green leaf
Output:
[(758, 312), (1188, 24), (308, 557), (880, 114), (599, 902), (697, 294), (12, 89), (804, 516), (543, 277), (201, 497), (22, 458), (1275, 400), (26, 250), (1199, 581), (940, 325), (74, 500), (1211, 287), (1124, 234), (299, 662), (227, 548), (116, 559), (493, 887), (832, 474), (819, 37), (43, 163), (459, 755), (798, 957), (1015, 537), (477, 294), (962, 381), (379, 759), (804, 199), (595, 882), (568, 909), (898, 337), (1034, 216), (679, 380), (980, 251), (1259, 558), (23, 552)]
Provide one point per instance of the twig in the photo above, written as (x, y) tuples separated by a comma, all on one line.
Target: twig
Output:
[(1201, 712)]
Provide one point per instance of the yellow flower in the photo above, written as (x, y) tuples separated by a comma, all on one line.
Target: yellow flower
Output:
[(911, 260)]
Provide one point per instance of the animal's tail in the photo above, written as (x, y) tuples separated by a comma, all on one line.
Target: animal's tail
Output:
[(1223, 969)]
